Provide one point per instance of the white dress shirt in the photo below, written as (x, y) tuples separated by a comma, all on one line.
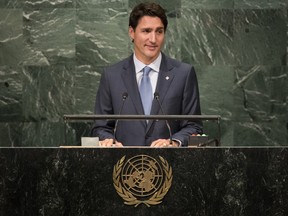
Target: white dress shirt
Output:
[(155, 66)]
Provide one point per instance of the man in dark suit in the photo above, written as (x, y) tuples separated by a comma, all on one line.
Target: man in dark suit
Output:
[(175, 83)]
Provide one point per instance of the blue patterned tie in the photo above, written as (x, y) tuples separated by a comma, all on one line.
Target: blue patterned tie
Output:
[(146, 91)]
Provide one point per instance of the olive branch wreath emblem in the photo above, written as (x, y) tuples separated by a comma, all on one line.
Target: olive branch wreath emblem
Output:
[(129, 198)]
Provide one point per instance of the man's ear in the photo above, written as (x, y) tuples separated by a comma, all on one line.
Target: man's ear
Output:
[(131, 33)]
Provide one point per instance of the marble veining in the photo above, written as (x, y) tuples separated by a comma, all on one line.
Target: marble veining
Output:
[(52, 54)]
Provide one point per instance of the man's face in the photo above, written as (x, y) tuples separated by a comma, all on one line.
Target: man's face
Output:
[(148, 38)]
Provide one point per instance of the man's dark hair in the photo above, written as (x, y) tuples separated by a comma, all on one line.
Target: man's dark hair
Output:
[(147, 9)]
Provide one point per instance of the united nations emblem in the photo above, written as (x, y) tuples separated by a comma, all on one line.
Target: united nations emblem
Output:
[(142, 179)]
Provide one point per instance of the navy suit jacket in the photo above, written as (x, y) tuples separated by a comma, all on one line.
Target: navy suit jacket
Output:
[(178, 93)]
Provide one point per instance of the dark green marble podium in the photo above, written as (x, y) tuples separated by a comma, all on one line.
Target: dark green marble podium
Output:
[(206, 181)]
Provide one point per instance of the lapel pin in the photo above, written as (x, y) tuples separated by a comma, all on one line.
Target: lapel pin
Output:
[(167, 77)]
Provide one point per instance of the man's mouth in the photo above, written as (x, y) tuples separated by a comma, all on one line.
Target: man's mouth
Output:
[(151, 46)]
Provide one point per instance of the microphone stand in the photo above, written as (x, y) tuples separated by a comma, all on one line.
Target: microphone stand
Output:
[(156, 96), (124, 97)]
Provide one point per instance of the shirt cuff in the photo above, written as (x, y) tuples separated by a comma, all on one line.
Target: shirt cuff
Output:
[(178, 141)]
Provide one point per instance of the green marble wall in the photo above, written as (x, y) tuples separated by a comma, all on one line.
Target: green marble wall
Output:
[(52, 53)]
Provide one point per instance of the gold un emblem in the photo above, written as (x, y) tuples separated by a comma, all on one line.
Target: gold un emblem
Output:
[(142, 179)]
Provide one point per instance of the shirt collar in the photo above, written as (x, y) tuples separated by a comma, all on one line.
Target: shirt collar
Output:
[(155, 65)]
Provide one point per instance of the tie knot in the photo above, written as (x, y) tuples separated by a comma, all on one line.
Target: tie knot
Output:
[(146, 71)]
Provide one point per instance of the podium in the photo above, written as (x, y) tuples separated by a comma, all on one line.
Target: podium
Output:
[(205, 181)]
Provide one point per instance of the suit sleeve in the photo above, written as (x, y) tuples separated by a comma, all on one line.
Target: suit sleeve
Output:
[(190, 106)]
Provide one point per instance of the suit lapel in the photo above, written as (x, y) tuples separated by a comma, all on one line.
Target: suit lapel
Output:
[(129, 78), (165, 78)]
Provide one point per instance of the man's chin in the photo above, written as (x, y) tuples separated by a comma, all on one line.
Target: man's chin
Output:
[(152, 54)]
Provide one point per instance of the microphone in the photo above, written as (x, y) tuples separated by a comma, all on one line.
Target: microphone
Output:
[(124, 97), (156, 96)]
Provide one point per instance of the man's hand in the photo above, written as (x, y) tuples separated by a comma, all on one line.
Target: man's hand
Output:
[(109, 143), (164, 143)]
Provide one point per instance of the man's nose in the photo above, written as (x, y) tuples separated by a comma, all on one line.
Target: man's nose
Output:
[(152, 37)]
